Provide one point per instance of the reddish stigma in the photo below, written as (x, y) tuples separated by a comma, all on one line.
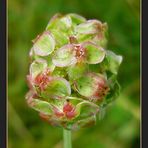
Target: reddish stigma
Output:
[(80, 52), (102, 90), (69, 110), (58, 113), (73, 40), (42, 80)]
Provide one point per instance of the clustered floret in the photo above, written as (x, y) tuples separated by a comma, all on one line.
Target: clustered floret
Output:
[(72, 75)]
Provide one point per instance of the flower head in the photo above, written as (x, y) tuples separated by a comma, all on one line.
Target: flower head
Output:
[(72, 75)]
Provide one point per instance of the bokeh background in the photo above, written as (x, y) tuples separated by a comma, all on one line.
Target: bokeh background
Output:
[(120, 127)]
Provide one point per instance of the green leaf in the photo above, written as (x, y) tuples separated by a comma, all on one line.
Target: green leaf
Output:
[(64, 56), (94, 53), (44, 44)]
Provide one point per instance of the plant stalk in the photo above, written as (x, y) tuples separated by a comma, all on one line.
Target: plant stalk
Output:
[(67, 138)]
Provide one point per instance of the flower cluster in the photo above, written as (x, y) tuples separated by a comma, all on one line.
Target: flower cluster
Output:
[(72, 76)]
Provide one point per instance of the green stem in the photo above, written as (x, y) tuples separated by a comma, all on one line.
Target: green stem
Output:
[(67, 138)]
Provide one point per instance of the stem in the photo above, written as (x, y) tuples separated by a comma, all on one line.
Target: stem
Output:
[(67, 138)]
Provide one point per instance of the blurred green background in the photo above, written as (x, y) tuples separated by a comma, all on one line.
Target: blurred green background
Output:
[(120, 127)]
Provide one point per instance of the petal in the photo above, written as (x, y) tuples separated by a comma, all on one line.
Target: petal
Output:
[(50, 65), (59, 72), (83, 107), (65, 108), (60, 38), (31, 53), (78, 108), (53, 21), (112, 62), (84, 37), (101, 37), (89, 27), (76, 19), (86, 109), (95, 68), (37, 67), (39, 105), (92, 86), (74, 100), (94, 53), (66, 21), (57, 88), (30, 82), (44, 44), (83, 123), (64, 56), (100, 40), (114, 89), (76, 71), (62, 23)]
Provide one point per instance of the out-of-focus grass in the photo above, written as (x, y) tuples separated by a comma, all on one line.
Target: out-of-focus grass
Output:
[(121, 126)]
